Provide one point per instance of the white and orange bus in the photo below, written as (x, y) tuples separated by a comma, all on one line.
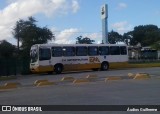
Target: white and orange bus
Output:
[(72, 57)]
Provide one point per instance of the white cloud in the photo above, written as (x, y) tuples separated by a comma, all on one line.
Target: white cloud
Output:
[(21, 9), (122, 6), (75, 6), (94, 36), (67, 36), (122, 27)]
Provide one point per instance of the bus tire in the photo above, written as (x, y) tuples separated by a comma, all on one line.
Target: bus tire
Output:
[(104, 66), (58, 69)]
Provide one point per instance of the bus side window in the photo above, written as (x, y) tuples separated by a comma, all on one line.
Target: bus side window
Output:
[(103, 50), (114, 50), (92, 50), (81, 51), (68, 51), (44, 54), (57, 51), (123, 50)]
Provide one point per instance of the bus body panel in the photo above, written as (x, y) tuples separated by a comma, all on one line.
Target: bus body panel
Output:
[(74, 63)]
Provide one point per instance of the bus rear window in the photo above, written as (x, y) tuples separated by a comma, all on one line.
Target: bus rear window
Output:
[(44, 54)]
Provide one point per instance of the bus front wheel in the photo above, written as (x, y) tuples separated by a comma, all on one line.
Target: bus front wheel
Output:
[(104, 66), (58, 69)]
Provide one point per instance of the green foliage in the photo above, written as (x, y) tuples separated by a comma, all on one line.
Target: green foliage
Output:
[(7, 50), (114, 37), (127, 37), (86, 40), (28, 33), (156, 45), (144, 34)]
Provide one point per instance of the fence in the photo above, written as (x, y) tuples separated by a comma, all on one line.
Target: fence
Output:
[(14, 66)]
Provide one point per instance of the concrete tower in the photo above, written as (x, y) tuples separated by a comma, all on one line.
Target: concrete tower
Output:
[(104, 17)]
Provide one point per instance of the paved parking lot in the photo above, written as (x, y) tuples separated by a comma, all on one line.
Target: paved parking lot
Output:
[(29, 79), (122, 92), (98, 92)]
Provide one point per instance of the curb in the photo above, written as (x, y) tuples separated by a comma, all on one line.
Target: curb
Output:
[(10, 85), (131, 75), (140, 76), (39, 81), (92, 77), (113, 78), (68, 78), (81, 80), (45, 84)]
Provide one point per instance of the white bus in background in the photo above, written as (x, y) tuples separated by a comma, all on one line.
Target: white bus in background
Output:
[(73, 57)]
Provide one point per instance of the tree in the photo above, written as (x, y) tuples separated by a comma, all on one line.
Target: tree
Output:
[(7, 50), (114, 37), (145, 34), (156, 45), (127, 37), (28, 33), (85, 40)]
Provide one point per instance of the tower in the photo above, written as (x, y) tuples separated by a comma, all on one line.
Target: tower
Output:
[(104, 17)]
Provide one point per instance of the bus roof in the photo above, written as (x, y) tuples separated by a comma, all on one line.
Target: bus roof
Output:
[(50, 45)]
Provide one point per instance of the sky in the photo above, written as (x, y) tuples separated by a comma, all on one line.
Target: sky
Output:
[(68, 19)]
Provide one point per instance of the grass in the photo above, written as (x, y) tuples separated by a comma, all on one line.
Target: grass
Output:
[(143, 65), (7, 77)]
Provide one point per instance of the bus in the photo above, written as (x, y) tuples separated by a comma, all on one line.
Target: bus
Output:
[(57, 58)]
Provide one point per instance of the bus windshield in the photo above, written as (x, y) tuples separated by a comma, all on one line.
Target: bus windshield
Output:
[(34, 54)]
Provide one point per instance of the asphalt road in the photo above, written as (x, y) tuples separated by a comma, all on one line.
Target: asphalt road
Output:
[(121, 92)]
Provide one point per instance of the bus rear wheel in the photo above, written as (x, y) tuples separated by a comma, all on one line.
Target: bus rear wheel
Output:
[(104, 66), (58, 69)]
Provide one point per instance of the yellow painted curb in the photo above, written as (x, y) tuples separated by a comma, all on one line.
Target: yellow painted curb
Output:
[(112, 78), (8, 87), (140, 76), (68, 78), (92, 76), (45, 83), (81, 80), (131, 75), (38, 81), (12, 84)]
